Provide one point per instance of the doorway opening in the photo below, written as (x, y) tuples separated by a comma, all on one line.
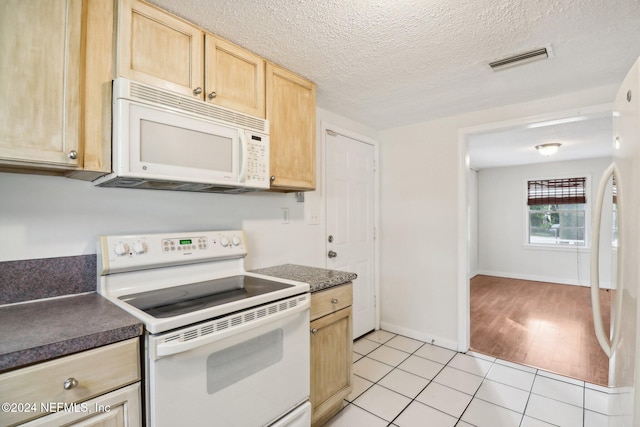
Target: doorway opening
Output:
[(527, 300)]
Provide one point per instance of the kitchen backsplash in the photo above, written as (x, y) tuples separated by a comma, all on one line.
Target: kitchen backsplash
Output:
[(33, 279)]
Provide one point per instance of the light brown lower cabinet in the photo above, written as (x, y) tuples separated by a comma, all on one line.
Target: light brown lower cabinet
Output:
[(120, 408), (331, 351), (98, 388)]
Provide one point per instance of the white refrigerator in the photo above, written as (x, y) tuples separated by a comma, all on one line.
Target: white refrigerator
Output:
[(621, 342)]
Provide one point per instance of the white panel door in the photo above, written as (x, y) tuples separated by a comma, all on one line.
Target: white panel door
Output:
[(350, 183)]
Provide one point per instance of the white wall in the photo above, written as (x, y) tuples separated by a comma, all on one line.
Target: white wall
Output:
[(420, 239), (472, 233), (43, 216), (502, 226)]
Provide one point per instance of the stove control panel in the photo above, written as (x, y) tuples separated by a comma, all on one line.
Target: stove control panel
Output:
[(139, 252), (187, 244)]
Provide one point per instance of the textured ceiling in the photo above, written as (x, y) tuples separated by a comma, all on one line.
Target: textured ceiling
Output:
[(388, 63)]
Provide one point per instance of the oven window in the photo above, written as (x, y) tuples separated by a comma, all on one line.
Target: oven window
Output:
[(232, 364), (176, 146)]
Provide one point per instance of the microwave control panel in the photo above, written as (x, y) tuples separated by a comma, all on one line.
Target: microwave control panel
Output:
[(258, 172)]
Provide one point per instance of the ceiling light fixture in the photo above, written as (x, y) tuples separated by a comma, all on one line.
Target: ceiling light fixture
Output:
[(522, 58), (548, 149)]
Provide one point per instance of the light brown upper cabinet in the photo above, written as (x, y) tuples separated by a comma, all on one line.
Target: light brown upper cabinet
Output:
[(291, 111), (234, 77), (160, 49), (59, 58), (40, 70), (98, 69)]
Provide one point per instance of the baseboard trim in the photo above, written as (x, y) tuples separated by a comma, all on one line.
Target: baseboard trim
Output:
[(536, 278)]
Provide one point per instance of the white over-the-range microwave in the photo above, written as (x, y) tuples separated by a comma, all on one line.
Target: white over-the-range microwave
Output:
[(167, 141)]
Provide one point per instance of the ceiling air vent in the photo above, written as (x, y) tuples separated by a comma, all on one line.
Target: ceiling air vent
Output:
[(521, 58)]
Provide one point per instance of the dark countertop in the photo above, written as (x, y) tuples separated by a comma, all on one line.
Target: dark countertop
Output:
[(45, 329), (317, 278)]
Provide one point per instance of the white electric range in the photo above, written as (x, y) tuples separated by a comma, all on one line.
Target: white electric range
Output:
[(223, 346)]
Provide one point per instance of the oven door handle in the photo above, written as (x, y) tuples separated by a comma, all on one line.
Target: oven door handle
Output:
[(163, 349)]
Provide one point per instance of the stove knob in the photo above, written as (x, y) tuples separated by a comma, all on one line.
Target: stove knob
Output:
[(224, 241), (236, 240), (139, 248), (121, 249)]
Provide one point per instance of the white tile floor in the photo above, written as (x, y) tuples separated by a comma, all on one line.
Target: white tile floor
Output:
[(399, 381)]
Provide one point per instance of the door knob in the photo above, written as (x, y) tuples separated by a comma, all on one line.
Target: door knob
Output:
[(332, 254)]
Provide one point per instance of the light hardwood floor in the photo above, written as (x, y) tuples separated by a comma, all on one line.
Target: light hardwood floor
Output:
[(544, 325)]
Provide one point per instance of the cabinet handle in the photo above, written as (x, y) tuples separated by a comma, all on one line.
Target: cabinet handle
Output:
[(334, 300), (70, 383), (197, 91), (273, 178), (314, 331), (73, 154), (212, 95)]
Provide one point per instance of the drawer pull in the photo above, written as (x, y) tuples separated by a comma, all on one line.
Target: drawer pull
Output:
[(334, 300), (70, 383), (314, 331)]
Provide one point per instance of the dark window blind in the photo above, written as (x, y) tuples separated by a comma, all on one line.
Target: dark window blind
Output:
[(556, 191)]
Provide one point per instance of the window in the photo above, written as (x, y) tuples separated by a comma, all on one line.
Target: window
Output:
[(557, 209)]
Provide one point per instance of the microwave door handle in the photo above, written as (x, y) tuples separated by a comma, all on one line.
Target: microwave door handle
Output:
[(244, 154)]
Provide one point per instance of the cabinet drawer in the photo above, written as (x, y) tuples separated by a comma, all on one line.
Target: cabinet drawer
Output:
[(331, 300), (96, 371)]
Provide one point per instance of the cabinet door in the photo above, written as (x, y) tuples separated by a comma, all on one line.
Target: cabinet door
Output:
[(331, 361), (120, 408), (40, 80), (234, 77), (160, 49), (291, 111)]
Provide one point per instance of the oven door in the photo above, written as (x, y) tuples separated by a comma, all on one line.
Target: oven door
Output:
[(243, 374)]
